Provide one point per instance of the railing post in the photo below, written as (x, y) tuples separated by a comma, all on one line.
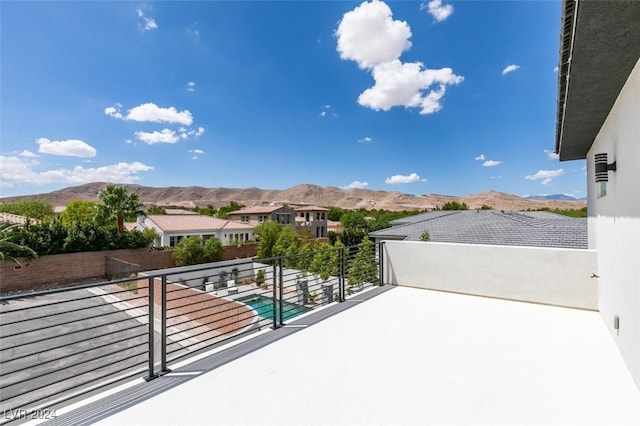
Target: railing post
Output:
[(341, 278), (280, 285), (274, 299), (163, 332), (381, 263), (151, 373)]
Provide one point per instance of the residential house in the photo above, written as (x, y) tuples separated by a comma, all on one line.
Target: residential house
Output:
[(172, 228), (15, 219), (256, 215), (313, 219), (598, 119)]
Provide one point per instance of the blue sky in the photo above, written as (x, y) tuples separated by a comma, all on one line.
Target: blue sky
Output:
[(418, 97)]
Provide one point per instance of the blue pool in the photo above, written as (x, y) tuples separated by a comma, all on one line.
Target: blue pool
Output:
[(264, 306)]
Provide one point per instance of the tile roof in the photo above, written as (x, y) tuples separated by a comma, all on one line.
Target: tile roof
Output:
[(256, 210), (535, 229), (311, 209), (193, 223)]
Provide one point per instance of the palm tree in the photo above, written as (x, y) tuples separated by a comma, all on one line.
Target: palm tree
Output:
[(9, 250), (117, 203)]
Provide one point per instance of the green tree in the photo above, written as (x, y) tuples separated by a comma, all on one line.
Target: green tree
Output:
[(335, 213), (325, 261), (159, 210), (354, 221), (287, 245), (425, 236), (363, 268), (117, 204), (304, 258), (231, 207), (189, 251), (268, 232), (212, 250), (486, 207), (260, 278), (454, 205), (10, 250), (34, 209), (79, 211)]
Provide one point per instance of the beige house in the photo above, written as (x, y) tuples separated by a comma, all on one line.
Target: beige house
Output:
[(313, 219), (172, 228), (255, 215)]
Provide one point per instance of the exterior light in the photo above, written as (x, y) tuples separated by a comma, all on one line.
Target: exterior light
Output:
[(602, 168)]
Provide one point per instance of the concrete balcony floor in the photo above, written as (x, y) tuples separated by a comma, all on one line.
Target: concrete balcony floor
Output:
[(411, 356)]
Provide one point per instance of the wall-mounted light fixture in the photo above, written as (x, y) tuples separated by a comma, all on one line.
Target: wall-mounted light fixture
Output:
[(602, 168)]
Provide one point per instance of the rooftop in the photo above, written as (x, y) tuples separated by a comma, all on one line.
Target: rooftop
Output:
[(192, 223), (256, 210), (599, 46), (405, 356), (497, 227)]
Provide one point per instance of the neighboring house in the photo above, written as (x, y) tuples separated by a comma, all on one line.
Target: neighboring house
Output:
[(256, 215), (16, 219), (334, 226), (172, 228), (599, 120), (497, 227), (313, 219)]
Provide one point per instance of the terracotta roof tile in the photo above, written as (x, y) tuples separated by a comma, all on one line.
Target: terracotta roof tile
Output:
[(182, 222)]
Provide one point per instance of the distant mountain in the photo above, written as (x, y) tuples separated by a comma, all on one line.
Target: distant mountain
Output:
[(557, 197), (304, 194)]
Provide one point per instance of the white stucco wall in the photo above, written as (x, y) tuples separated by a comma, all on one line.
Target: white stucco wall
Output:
[(552, 276), (614, 221)]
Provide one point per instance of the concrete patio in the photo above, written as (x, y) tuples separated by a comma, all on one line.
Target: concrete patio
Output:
[(412, 356)]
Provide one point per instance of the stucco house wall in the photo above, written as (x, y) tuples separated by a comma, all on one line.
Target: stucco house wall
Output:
[(614, 221)]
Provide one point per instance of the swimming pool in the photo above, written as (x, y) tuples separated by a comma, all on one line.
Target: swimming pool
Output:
[(263, 305)]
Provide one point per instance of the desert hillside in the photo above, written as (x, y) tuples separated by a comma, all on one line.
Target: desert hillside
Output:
[(304, 194)]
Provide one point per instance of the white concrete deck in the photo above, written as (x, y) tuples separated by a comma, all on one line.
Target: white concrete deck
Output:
[(413, 356)]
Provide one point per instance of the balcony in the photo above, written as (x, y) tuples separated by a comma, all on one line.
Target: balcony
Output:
[(423, 348)]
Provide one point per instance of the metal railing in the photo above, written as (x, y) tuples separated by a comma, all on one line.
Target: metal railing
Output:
[(60, 344)]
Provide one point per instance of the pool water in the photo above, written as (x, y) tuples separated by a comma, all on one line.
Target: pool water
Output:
[(264, 307)]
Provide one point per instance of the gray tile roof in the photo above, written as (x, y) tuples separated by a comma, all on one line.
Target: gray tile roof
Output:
[(534, 229)]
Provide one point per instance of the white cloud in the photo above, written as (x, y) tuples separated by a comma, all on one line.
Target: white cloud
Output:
[(491, 163), (555, 69), (147, 23), (151, 112), (547, 176), (396, 179), (370, 36), (356, 185), (112, 112), (480, 157), (323, 113), (15, 171), (551, 155), (27, 154), (68, 148), (510, 68), (198, 132), (196, 151), (366, 139), (439, 11), (163, 136), (398, 84), (191, 86)]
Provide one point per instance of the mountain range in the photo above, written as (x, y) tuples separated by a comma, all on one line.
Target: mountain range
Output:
[(304, 194)]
